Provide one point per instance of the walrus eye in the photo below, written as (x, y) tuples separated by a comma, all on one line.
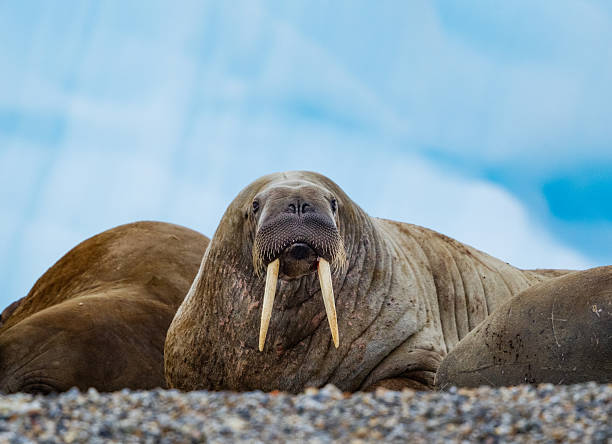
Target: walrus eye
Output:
[(255, 206), (334, 205)]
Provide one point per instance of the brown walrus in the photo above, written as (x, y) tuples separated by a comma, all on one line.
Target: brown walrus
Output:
[(559, 331), (397, 297), (98, 317)]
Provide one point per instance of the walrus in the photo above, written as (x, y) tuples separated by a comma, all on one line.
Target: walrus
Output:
[(559, 331), (98, 317), (300, 287)]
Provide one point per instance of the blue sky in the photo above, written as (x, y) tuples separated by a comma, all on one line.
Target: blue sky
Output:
[(487, 121)]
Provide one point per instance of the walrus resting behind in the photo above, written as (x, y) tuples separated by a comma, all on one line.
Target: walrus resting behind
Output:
[(401, 296), (559, 331), (98, 317)]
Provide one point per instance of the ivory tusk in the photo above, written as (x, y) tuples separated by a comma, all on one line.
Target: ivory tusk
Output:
[(327, 291), (266, 312)]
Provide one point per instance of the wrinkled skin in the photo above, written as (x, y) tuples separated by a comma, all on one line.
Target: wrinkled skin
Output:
[(99, 316), (559, 331), (405, 295)]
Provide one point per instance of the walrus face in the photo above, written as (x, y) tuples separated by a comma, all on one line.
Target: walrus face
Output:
[(295, 234), (296, 222)]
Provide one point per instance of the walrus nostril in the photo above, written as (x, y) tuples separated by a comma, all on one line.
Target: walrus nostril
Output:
[(300, 251), (299, 208)]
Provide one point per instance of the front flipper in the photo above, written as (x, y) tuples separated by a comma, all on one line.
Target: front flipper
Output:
[(405, 368)]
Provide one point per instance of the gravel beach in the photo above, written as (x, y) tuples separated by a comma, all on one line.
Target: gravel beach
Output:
[(544, 413)]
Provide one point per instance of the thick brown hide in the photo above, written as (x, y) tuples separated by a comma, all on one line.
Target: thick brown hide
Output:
[(99, 316)]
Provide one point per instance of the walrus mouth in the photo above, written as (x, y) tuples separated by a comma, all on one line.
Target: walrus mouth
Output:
[(298, 260), (296, 247), (327, 291)]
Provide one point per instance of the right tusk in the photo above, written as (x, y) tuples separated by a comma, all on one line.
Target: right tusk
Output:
[(266, 312), (327, 290)]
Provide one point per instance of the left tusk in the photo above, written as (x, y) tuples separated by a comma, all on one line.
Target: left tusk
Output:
[(327, 290)]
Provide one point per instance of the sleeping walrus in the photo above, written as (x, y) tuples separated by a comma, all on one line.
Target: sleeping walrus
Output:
[(559, 331), (98, 317), (337, 296)]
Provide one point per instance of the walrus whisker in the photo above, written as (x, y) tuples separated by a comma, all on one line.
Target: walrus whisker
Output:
[(266, 311), (327, 291)]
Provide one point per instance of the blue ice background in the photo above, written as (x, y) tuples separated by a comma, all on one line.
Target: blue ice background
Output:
[(489, 121)]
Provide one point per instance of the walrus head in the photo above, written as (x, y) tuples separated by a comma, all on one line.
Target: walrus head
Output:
[(295, 226)]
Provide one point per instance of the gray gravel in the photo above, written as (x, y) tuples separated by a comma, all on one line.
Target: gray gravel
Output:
[(546, 413)]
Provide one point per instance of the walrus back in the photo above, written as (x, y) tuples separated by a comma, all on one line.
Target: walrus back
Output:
[(469, 284), (155, 255)]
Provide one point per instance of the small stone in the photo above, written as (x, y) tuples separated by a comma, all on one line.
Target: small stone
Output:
[(311, 391), (235, 423)]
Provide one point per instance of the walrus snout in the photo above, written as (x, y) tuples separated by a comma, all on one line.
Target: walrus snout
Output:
[(298, 241)]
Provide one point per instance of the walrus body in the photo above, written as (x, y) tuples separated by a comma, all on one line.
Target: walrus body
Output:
[(405, 295), (559, 331), (99, 316)]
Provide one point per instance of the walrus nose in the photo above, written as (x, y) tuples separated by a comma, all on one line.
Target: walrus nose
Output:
[(300, 207), (300, 251)]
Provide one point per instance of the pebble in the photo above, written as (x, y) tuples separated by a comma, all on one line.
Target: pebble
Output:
[(544, 413)]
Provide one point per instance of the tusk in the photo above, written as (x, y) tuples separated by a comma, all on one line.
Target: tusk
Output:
[(327, 290), (266, 312)]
